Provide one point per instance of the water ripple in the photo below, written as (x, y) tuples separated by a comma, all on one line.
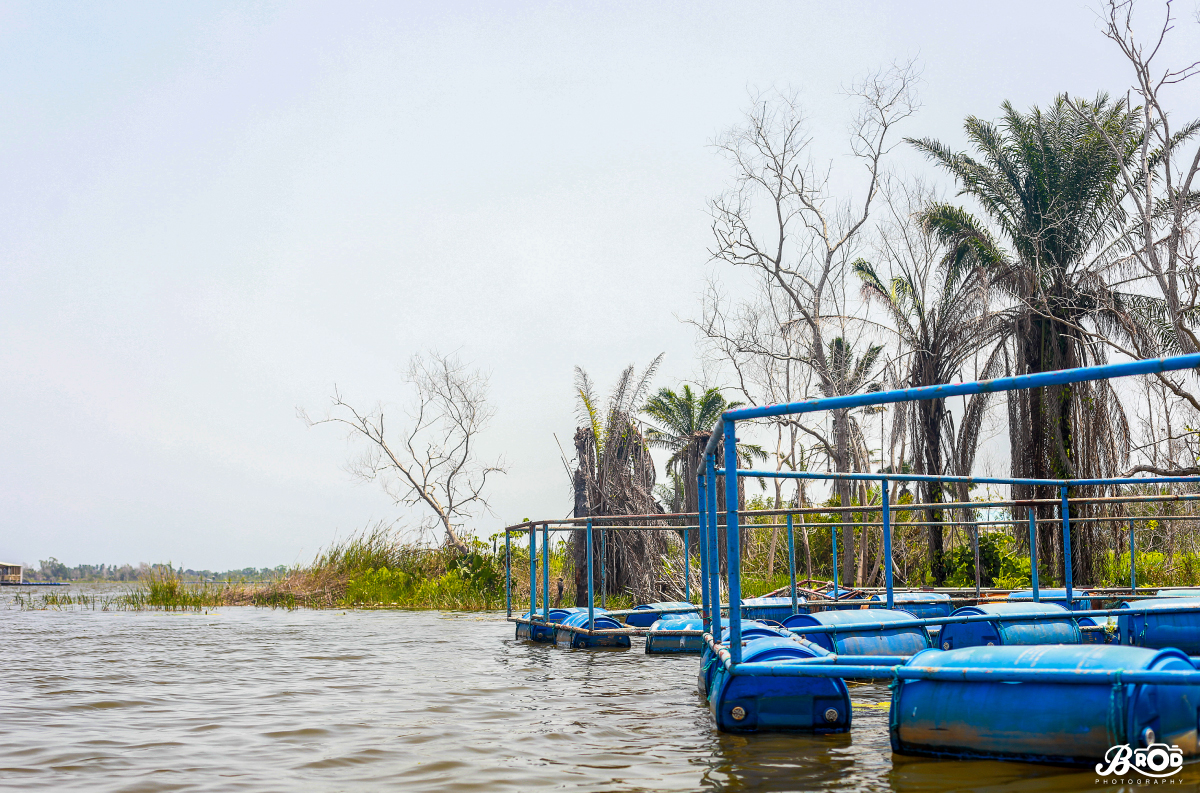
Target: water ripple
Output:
[(256, 700)]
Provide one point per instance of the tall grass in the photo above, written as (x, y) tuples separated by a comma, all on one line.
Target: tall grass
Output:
[(159, 588), (377, 568)]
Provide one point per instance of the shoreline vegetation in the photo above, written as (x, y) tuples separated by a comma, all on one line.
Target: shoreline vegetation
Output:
[(378, 569)]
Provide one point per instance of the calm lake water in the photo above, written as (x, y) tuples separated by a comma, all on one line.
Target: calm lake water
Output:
[(259, 700)]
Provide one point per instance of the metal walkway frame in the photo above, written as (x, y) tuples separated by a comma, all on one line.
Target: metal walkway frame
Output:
[(723, 442)]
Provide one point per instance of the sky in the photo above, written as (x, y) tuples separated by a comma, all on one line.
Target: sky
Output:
[(216, 212)]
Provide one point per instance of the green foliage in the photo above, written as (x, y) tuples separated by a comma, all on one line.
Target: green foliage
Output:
[(385, 571), (1000, 565), (1153, 569), (453, 589)]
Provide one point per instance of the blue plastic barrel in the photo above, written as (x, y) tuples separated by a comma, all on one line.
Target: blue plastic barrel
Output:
[(1080, 600), (581, 641), (657, 643), (922, 604), (777, 609), (858, 632), (541, 631), (741, 703), (653, 613), (750, 630), (1001, 632), (1180, 630), (1190, 592), (1042, 722)]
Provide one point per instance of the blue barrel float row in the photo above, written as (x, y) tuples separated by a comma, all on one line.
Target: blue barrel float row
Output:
[(557, 630), (1061, 703), (1043, 720)]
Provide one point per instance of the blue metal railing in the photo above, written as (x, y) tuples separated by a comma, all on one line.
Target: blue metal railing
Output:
[(724, 437)]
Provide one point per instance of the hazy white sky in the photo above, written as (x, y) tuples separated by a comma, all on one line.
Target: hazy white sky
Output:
[(214, 212)]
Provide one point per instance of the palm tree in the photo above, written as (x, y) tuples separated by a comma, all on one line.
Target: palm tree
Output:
[(848, 373), (941, 324), (940, 316), (685, 420), (1050, 186), (615, 475)]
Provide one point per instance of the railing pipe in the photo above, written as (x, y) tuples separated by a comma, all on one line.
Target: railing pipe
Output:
[(603, 577), (1066, 524), (733, 543), (546, 571), (975, 542), (887, 541), (833, 541), (1033, 560), (687, 566), (792, 564), (591, 591), (970, 480), (714, 549), (1092, 677), (1017, 383), (532, 571), (1132, 560), (702, 536), (568, 524)]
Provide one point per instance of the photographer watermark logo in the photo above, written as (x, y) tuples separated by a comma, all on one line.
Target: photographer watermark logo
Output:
[(1156, 760)]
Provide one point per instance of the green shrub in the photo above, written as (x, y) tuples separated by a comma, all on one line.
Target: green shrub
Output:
[(1000, 566)]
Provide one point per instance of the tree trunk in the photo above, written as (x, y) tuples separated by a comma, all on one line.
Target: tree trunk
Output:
[(841, 420), (932, 416), (579, 537)]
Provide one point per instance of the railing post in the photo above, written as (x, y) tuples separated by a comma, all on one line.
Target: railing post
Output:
[(887, 541), (1132, 560), (833, 535), (714, 548), (702, 536), (733, 543), (687, 564), (603, 577), (975, 540), (546, 572), (591, 590), (792, 564), (1033, 560), (508, 571), (532, 573), (1066, 523)]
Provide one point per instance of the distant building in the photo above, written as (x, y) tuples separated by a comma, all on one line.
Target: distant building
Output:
[(11, 573)]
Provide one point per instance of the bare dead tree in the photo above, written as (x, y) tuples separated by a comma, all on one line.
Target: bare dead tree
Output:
[(434, 463), (1162, 199), (783, 219)]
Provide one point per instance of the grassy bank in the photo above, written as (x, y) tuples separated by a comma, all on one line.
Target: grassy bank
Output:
[(378, 569)]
